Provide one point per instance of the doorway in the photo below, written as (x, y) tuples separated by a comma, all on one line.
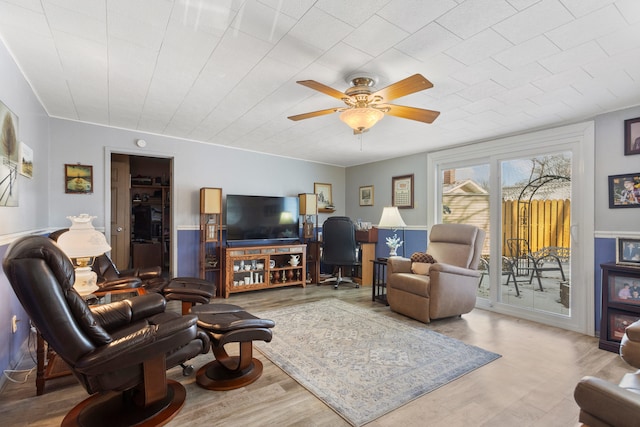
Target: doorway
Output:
[(140, 211)]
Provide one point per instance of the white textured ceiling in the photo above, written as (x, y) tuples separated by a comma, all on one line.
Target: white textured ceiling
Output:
[(224, 71)]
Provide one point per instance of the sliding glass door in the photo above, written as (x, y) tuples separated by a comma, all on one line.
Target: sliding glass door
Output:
[(465, 200), (535, 227), (524, 193)]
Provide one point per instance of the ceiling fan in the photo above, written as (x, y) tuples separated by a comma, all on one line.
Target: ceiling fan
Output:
[(366, 106)]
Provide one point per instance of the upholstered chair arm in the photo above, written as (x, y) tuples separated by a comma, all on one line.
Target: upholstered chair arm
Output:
[(116, 284), (130, 272), (121, 313), (630, 345), (610, 404), (149, 272), (136, 347), (398, 265), (452, 269)]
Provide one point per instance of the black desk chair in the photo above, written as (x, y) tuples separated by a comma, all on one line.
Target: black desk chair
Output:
[(339, 246)]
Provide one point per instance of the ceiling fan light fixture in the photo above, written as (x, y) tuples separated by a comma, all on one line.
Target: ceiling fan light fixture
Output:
[(361, 119)]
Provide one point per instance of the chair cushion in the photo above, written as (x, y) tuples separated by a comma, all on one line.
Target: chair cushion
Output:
[(421, 263), (422, 257), (421, 268)]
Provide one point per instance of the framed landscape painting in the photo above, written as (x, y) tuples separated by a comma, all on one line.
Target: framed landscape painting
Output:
[(78, 179)]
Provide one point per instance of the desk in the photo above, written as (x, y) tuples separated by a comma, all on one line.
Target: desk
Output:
[(49, 366), (379, 288), (367, 253)]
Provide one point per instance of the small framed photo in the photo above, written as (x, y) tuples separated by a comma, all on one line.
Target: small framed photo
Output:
[(78, 179), (325, 202), (366, 195), (632, 136), (625, 289), (618, 323), (26, 160), (628, 251), (624, 191), (402, 191)]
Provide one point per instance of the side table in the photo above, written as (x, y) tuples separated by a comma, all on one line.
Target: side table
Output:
[(379, 288)]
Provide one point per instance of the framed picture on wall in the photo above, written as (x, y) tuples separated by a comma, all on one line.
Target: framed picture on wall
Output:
[(325, 201), (366, 195), (78, 179), (402, 191), (632, 136), (624, 191), (26, 160)]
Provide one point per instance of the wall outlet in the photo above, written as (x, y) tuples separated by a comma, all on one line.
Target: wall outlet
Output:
[(14, 324)]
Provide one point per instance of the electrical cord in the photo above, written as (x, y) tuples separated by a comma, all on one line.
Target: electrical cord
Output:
[(18, 371), (30, 347)]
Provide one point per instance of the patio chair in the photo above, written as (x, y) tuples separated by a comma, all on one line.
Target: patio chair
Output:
[(507, 270), (533, 263)]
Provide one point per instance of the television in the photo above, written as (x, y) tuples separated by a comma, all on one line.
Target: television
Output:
[(262, 219)]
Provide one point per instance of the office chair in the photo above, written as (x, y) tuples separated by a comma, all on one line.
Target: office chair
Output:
[(339, 246)]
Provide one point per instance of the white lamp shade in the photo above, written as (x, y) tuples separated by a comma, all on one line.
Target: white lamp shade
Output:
[(391, 218), (82, 240)]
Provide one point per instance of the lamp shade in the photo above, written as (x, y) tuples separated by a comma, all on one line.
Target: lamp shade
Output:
[(82, 240), (361, 119), (308, 204), (391, 218), (211, 200)]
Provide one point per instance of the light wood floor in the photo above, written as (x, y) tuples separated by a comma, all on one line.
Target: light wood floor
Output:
[(530, 385)]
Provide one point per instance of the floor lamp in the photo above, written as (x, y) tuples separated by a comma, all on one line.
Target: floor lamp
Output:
[(391, 219)]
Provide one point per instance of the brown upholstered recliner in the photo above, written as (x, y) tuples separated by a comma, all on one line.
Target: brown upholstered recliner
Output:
[(604, 404), (442, 289), (119, 352)]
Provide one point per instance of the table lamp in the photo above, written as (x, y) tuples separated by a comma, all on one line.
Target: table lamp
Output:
[(391, 219), (308, 208), (82, 243)]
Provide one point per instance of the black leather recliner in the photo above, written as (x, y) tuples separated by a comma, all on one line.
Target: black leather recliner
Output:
[(122, 347)]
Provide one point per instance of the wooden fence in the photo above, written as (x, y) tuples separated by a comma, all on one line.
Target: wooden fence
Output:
[(543, 223)]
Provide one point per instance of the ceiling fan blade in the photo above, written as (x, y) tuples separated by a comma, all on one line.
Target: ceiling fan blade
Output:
[(323, 88), (313, 114), (412, 113), (410, 85)]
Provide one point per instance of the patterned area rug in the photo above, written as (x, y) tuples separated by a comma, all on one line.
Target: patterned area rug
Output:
[(361, 363)]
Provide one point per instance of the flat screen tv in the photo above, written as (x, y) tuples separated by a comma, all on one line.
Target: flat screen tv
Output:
[(261, 219)]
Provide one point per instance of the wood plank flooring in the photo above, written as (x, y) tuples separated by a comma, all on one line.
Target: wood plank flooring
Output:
[(530, 385)]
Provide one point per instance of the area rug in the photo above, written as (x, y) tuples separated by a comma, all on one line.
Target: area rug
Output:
[(361, 363)]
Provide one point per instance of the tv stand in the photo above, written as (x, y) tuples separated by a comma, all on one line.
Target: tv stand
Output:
[(249, 268)]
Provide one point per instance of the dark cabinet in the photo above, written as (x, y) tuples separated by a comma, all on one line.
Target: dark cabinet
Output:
[(620, 303)]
